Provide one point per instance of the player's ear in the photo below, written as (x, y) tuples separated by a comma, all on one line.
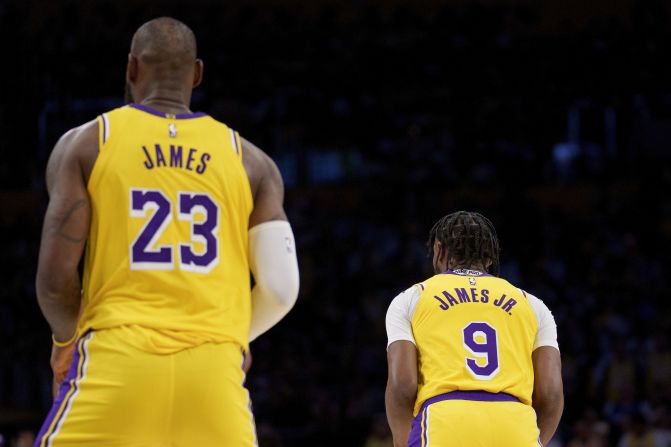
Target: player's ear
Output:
[(437, 247), (439, 257), (131, 69), (198, 73)]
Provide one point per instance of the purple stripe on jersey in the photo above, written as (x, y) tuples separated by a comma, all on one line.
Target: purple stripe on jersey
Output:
[(415, 438), (62, 392), (425, 432), (179, 116), (478, 396), (418, 433)]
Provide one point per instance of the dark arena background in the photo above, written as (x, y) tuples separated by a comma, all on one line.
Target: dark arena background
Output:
[(551, 117)]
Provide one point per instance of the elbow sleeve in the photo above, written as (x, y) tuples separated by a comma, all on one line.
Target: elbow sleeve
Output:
[(273, 262)]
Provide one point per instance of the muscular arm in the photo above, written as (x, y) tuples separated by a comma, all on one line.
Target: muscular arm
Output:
[(401, 389), (65, 229), (266, 183), (272, 253), (548, 396)]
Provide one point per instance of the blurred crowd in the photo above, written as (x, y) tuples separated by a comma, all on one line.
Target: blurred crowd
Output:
[(384, 116)]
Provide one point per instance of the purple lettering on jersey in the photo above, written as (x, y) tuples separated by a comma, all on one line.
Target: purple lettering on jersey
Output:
[(160, 159), (175, 156), (500, 300), (474, 295), (443, 304), (484, 295), (203, 163), (190, 159), (450, 299), (509, 305), (462, 295), (149, 163)]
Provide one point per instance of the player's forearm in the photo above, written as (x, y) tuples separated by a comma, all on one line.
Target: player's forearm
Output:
[(273, 262), (399, 402), (548, 414), (267, 311), (59, 299)]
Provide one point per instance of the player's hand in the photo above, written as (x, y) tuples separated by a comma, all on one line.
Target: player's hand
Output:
[(247, 361), (61, 359)]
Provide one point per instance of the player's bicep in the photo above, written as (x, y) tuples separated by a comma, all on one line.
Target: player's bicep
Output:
[(402, 364), (268, 203), (398, 320), (66, 222), (547, 328), (266, 184), (547, 373)]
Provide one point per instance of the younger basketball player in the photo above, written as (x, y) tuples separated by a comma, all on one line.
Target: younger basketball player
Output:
[(470, 355), (174, 209)]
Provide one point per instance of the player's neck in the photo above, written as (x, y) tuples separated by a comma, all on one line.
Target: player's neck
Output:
[(473, 268), (166, 101)]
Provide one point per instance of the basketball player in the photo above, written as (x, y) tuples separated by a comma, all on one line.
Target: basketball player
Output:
[(470, 355), (174, 208)]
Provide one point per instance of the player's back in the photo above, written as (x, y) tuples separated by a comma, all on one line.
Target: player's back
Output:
[(168, 243), (473, 332)]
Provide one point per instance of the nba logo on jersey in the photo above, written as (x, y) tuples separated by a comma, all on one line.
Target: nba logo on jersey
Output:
[(172, 130)]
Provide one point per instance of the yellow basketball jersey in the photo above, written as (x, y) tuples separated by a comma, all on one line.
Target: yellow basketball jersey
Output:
[(473, 332), (167, 249)]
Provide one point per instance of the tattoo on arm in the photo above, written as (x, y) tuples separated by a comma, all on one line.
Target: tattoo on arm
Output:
[(60, 230)]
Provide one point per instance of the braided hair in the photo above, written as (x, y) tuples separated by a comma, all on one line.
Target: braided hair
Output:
[(470, 240)]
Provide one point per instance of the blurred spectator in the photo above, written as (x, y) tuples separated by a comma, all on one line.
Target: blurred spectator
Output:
[(589, 431), (25, 438), (638, 433), (380, 435)]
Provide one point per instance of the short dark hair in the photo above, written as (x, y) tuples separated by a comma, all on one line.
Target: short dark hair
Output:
[(166, 43), (470, 239)]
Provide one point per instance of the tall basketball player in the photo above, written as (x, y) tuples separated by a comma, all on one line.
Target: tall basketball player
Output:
[(174, 209), (470, 355)]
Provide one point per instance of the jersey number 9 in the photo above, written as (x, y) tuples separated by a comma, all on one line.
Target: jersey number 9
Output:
[(481, 341)]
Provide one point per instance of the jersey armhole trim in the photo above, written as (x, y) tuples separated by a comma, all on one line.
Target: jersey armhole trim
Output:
[(104, 129), (235, 142)]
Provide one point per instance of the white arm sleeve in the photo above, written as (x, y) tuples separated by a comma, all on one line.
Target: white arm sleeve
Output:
[(399, 316), (547, 328), (272, 259)]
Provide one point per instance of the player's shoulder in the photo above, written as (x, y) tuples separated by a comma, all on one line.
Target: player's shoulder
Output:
[(78, 139), (260, 166), (87, 129), (406, 300), (415, 290), (536, 303), (432, 280), (255, 156), (77, 146), (504, 282)]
